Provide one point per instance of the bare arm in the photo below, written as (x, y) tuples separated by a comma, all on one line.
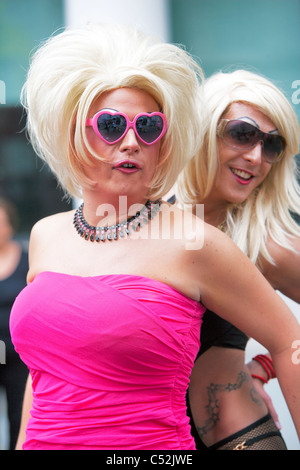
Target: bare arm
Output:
[(27, 403), (285, 274), (229, 285)]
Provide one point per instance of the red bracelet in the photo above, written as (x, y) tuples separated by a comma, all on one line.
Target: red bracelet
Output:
[(259, 377), (268, 362), (270, 365), (261, 362), (267, 365)]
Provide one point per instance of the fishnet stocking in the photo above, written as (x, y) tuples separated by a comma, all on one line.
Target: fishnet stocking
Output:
[(261, 435)]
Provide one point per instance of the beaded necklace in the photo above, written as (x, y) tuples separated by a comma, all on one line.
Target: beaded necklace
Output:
[(120, 230)]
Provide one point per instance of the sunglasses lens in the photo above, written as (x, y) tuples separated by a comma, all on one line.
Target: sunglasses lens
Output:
[(240, 134), (111, 127), (274, 146), (149, 128)]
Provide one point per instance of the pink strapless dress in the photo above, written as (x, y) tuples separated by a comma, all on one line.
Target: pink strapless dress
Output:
[(110, 359)]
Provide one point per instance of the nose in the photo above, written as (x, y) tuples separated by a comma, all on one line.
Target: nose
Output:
[(254, 155), (130, 142)]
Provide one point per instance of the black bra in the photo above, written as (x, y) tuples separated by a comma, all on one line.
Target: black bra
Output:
[(218, 332)]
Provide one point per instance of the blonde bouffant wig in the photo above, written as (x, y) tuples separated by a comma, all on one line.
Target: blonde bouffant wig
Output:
[(267, 211), (72, 69)]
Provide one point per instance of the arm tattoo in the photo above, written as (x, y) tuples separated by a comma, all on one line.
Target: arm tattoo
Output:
[(212, 408)]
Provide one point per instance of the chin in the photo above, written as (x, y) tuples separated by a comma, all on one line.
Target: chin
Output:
[(238, 199)]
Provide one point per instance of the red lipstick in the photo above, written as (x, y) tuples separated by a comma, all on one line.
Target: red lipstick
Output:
[(242, 176), (127, 166)]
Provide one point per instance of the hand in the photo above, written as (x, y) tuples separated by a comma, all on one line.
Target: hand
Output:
[(256, 369), (259, 386)]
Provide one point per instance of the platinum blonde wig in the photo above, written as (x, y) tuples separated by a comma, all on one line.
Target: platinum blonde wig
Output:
[(72, 69), (266, 212)]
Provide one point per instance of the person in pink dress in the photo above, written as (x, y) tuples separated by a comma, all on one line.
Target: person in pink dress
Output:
[(109, 323)]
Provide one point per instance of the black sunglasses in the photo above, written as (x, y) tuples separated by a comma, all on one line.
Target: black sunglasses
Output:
[(242, 135)]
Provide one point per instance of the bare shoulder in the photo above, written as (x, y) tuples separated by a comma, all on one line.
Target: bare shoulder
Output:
[(44, 238), (45, 229), (183, 225), (51, 222), (199, 240), (219, 262)]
